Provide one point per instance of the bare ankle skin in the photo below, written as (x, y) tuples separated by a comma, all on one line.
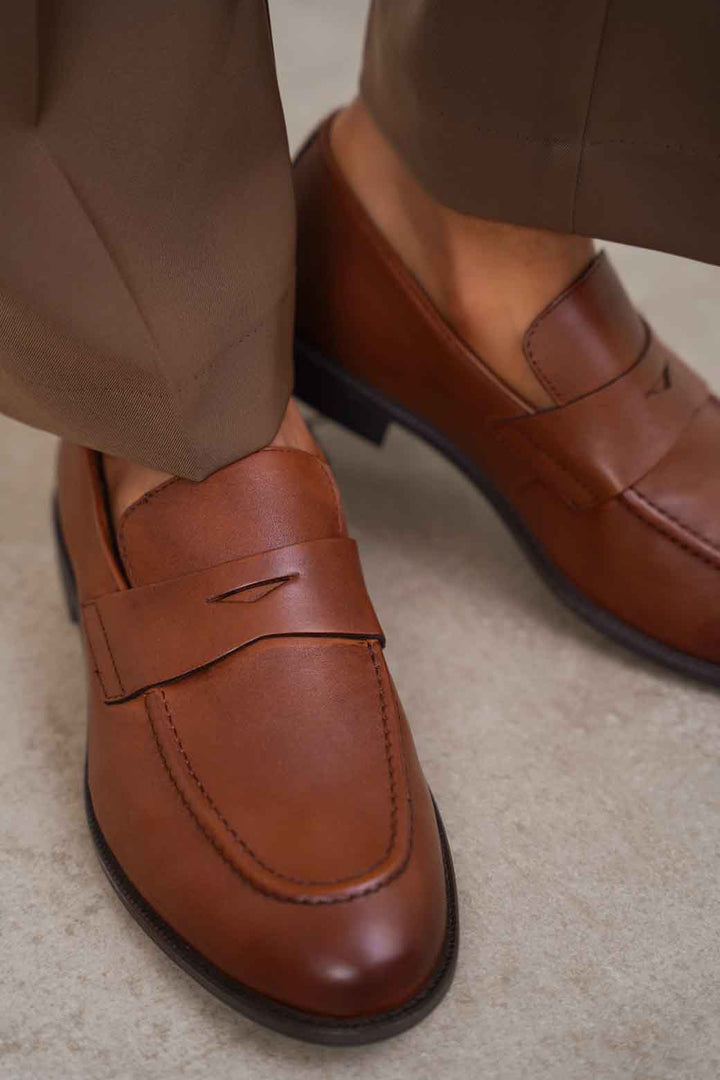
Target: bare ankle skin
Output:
[(488, 279), (127, 481)]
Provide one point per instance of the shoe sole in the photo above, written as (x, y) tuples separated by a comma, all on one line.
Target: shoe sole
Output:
[(309, 1027), (353, 403)]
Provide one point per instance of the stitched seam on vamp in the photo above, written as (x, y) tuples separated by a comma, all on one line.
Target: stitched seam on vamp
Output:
[(307, 901), (246, 847)]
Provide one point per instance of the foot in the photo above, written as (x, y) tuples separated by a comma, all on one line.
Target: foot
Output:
[(598, 450), (487, 278), (253, 789)]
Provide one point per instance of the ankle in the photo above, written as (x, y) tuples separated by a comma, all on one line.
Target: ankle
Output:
[(488, 279), (127, 481)]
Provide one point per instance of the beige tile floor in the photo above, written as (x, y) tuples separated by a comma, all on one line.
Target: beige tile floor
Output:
[(581, 788)]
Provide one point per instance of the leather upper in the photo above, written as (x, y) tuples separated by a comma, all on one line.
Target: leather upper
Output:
[(138, 638), (616, 481), (250, 765), (599, 444)]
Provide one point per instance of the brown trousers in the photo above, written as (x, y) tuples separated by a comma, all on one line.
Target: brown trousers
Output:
[(146, 211)]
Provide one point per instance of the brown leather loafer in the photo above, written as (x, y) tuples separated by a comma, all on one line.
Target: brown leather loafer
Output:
[(614, 492), (253, 790)]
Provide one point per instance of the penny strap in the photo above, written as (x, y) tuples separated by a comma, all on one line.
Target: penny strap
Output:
[(146, 636), (600, 444)]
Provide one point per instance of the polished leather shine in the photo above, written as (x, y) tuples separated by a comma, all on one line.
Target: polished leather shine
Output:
[(616, 484), (250, 766)]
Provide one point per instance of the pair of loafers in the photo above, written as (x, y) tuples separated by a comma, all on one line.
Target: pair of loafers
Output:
[(252, 784)]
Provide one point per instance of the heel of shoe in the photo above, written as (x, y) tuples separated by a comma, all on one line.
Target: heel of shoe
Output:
[(326, 387), (67, 577)]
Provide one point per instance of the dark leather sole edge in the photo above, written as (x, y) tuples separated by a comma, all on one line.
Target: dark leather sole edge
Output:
[(335, 393), (308, 1027)]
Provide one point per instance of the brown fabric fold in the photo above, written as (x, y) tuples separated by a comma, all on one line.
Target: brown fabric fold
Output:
[(146, 211), (600, 118)]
